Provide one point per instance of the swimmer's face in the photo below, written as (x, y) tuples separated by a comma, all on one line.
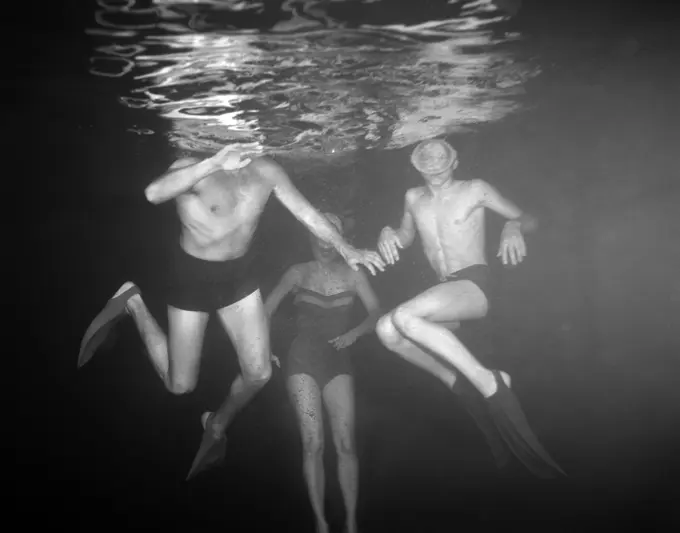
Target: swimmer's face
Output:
[(440, 178), (323, 246), (435, 160), (323, 251)]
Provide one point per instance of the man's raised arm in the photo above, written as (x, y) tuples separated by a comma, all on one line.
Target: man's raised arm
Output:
[(301, 209), (299, 206), (184, 173)]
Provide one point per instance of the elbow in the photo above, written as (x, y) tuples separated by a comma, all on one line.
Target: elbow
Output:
[(406, 240), (151, 194)]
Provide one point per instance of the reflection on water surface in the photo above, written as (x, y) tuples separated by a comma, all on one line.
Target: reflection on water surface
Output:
[(285, 81)]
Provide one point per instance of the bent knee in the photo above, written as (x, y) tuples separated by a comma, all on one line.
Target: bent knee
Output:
[(386, 331), (259, 375), (402, 319), (180, 387)]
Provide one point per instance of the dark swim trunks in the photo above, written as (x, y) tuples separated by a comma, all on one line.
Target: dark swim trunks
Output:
[(311, 353), (480, 275), (206, 286)]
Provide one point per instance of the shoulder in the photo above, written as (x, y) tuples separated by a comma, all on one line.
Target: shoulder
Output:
[(298, 272), (414, 194), (356, 278), (268, 169), (478, 188), (478, 185)]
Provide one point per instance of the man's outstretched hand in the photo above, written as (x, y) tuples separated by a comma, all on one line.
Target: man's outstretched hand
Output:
[(371, 260), (389, 245)]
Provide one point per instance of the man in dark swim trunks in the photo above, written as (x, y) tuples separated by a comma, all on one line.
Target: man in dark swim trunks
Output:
[(449, 216), (219, 202)]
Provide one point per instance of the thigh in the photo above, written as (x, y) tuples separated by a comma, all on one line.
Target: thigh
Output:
[(338, 395), (186, 330), (306, 398), (246, 324), (448, 303)]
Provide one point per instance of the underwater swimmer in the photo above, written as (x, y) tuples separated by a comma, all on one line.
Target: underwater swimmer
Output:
[(219, 202), (448, 214), (318, 367)]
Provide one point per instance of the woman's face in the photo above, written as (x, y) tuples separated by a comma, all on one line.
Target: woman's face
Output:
[(323, 251)]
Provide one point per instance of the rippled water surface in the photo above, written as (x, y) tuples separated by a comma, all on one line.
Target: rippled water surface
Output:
[(284, 80)]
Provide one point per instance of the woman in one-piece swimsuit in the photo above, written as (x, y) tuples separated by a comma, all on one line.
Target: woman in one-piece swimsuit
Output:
[(318, 368)]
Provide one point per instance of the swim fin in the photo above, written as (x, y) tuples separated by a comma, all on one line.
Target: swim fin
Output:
[(212, 450), (478, 409), (516, 432), (103, 323)]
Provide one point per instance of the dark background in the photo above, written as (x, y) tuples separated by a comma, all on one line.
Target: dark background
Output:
[(588, 325)]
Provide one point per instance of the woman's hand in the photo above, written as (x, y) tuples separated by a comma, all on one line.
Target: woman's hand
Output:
[(345, 340)]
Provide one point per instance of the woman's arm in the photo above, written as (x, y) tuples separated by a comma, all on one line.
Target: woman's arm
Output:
[(288, 282), (370, 300)]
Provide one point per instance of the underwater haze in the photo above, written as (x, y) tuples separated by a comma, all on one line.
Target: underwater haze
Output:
[(568, 108)]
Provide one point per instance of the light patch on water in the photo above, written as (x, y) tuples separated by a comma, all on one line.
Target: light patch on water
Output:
[(309, 77)]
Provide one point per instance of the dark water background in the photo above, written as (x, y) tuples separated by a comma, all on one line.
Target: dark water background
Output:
[(588, 326)]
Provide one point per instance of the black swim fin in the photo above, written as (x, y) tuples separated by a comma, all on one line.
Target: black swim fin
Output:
[(100, 328), (478, 409), (211, 452), (516, 432)]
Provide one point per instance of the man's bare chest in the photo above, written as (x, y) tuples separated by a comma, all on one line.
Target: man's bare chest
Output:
[(226, 195), (447, 214)]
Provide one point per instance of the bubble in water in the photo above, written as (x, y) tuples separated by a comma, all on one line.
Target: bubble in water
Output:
[(332, 145)]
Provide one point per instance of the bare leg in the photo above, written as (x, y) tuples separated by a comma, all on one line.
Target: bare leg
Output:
[(178, 367), (458, 300), (306, 398), (246, 325), (396, 342), (338, 396), (463, 300)]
